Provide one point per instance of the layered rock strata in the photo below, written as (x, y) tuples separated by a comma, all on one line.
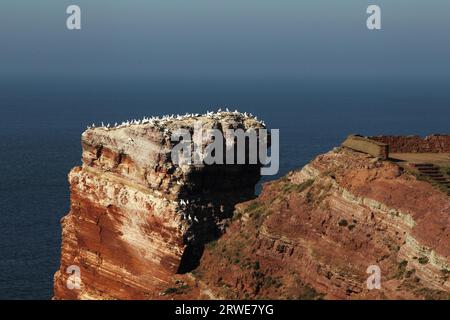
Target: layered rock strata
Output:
[(137, 218), (315, 233)]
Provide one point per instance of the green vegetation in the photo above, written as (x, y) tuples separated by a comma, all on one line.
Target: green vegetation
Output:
[(170, 291), (445, 170), (298, 188), (257, 211), (237, 215), (198, 273), (253, 206), (423, 260), (403, 264), (182, 288), (343, 223), (211, 245), (310, 293), (401, 269), (272, 282), (445, 274), (409, 273), (260, 280)]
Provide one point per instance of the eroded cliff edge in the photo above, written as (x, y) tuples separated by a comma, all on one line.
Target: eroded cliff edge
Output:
[(309, 235), (314, 233)]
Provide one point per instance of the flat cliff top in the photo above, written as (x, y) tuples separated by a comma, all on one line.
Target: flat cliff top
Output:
[(148, 140), (170, 123)]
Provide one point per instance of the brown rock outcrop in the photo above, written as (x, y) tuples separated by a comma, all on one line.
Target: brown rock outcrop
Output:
[(314, 233), (136, 219)]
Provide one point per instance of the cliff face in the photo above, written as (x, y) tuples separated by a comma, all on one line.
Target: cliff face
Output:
[(314, 233), (137, 219), (138, 225)]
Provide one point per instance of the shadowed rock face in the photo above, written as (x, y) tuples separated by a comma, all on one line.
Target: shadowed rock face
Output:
[(137, 219)]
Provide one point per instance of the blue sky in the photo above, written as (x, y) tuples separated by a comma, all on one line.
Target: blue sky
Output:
[(225, 37)]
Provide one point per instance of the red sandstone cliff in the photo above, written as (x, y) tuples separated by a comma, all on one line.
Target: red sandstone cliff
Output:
[(314, 233), (136, 219), (309, 235)]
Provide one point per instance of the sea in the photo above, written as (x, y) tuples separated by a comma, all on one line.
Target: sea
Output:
[(42, 118)]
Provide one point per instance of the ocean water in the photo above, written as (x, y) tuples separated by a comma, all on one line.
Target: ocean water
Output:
[(41, 120)]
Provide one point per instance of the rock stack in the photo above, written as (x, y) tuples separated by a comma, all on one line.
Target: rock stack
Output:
[(136, 218)]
